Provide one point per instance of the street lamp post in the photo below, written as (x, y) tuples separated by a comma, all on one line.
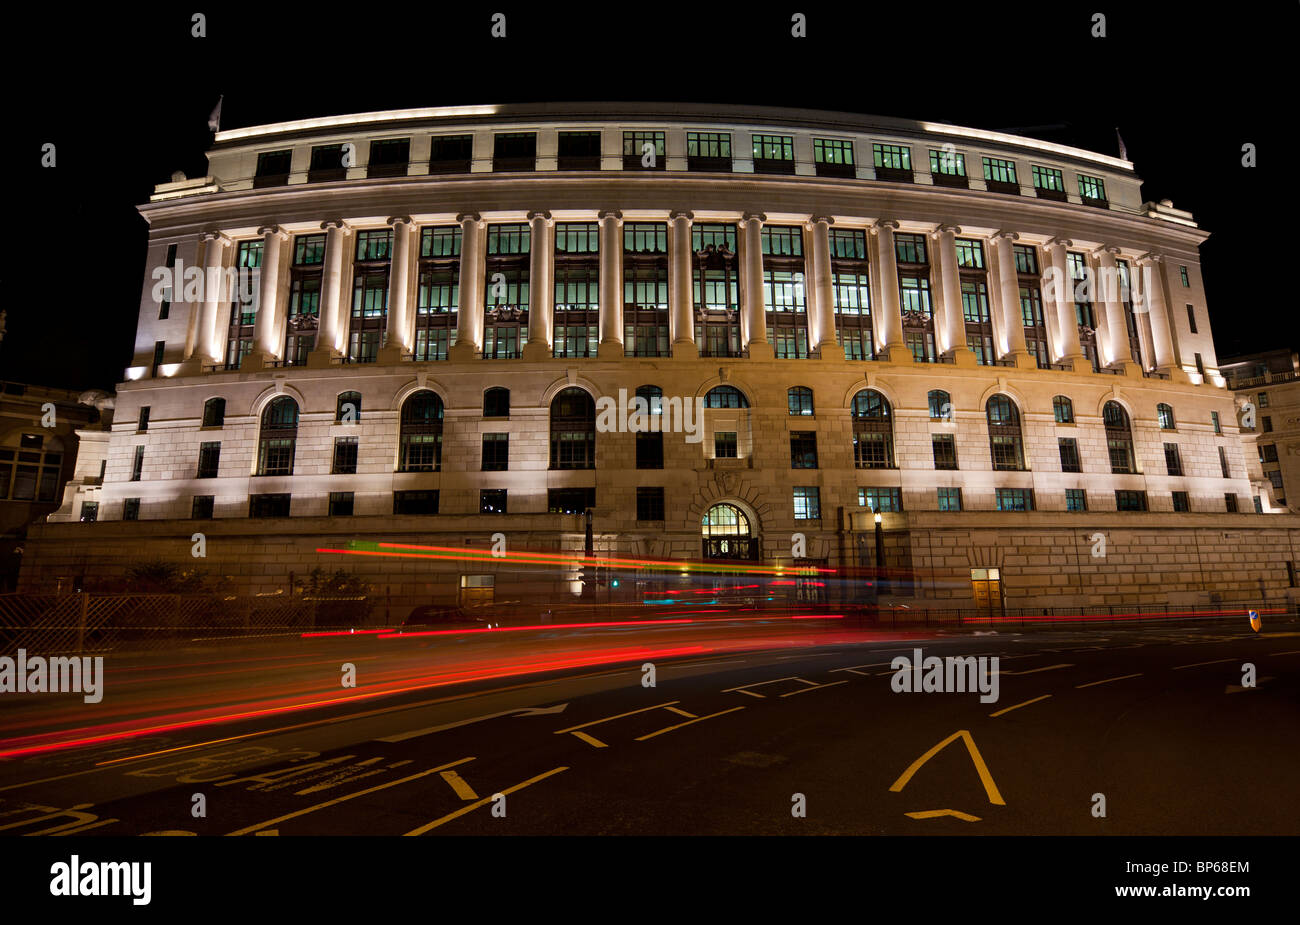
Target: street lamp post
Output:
[(880, 553)]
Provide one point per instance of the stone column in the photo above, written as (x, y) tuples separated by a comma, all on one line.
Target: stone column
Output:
[(1013, 322), (541, 286), (889, 316), (681, 315), (1117, 342), (267, 335), (1067, 345), (207, 345), (396, 336), (1150, 271), (950, 328), (469, 305), (821, 316), (611, 284), (333, 307), (754, 328)]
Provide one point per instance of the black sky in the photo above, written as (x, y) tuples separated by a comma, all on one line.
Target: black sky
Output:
[(125, 96)]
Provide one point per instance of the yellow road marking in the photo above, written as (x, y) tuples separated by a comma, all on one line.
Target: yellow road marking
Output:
[(1036, 670), (813, 688), (1217, 661), (986, 778), (591, 740), (698, 719), (1019, 705), (935, 813), (1123, 677), (596, 722), (680, 712), (473, 806), (865, 674), (1292, 652), (463, 789), (343, 799), (742, 688)]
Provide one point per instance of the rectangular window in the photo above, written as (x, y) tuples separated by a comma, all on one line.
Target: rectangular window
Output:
[(1268, 452), (643, 151), (1069, 449), (1076, 499), (724, 444), (326, 164), (578, 151), (970, 254), (159, 351), (492, 501), (1230, 503), (1262, 399), (1266, 424), (773, 154), (89, 511), (272, 169), (1191, 318), (833, 158), (1214, 419), (949, 499), (496, 452), (345, 456), (1200, 365), (892, 158), (209, 460), (944, 447), (389, 157), (708, 151), (807, 503), (649, 504), (415, 502), (1026, 258), (947, 163), (1000, 175), (1223, 463), (201, 507), (803, 449), (142, 423), (1049, 182), (341, 504), (514, 151), (451, 154), (271, 505), (884, 500), (137, 464), (570, 500), (1130, 500), (131, 509), (1015, 499), (1173, 461), (164, 309), (1180, 502), (1182, 274), (650, 451), (1092, 190)]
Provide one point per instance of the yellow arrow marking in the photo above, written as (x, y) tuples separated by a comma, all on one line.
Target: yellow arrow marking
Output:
[(936, 813), (986, 778)]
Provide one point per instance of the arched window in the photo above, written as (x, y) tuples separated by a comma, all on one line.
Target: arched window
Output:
[(1063, 408), (800, 399), (421, 433), (1165, 415), (496, 403), (653, 396), (1119, 437), (279, 437), (1005, 441), (573, 430), (873, 431), (726, 533), (940, 404), (347, 410), (725, 396), (214, 412)]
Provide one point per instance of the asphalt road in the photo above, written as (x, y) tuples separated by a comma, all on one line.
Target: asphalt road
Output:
[(556, 732)]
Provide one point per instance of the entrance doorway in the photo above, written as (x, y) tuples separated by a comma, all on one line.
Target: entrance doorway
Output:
[(986, 585)]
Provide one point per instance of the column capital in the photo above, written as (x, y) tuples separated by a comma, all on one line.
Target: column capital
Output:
[(1106, 249), (542, 214), (759, 217), (882, 223), (464, 217), (396, 220), (274, 230), (340, 224), (947, 229), (604, 214), (1058, 242), (1006, 235), (217, 237), (1151, 257), (821, 219), (677, 214)]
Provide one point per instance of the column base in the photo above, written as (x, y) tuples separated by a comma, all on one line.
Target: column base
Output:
[(831, 351), (1130, 370), (1176, 374), (389, 355), (761, 350), (1077, 362), (322, 358), (964, 357), (610, 350), (464, 352), (686, 350), (194, 366), (896, 353), (535, 351), (256, 361), (1022, 359)]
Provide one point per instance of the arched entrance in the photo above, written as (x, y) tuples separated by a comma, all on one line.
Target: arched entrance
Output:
[(727, 533)]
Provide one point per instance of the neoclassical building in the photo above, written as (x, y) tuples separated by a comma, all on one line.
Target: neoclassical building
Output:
[(990, 341)]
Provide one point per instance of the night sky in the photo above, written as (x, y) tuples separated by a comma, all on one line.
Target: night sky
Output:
[(125, 96)]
